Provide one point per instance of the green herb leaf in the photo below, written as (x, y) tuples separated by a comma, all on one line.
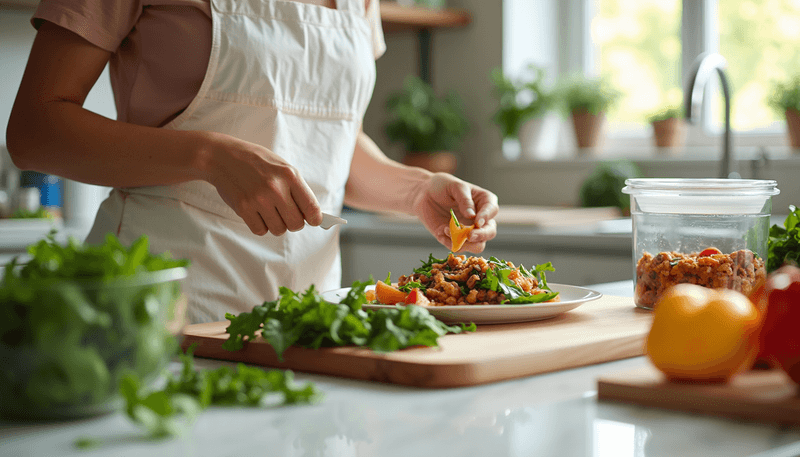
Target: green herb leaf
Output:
[(412, 285), (539, 272), (426, 267), (784, 242)]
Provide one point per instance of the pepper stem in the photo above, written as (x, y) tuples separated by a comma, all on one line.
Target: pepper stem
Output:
[(455, 219)]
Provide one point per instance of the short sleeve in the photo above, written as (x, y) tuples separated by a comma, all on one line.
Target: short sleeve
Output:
[(374, 17), (103, 23)]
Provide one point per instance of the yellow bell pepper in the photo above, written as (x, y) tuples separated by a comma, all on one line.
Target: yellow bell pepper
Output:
[(702, 334)]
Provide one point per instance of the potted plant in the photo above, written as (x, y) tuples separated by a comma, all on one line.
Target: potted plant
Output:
[(522, 106), (586, 100), (785, 98), (668, 127), (429, 127)]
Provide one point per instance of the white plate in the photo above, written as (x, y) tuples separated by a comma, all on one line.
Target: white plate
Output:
[(571, 298)]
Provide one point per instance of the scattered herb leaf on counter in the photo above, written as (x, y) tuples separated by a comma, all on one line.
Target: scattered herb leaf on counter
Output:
[(306, 320), (170, 411), (784, 242), (40, 213)]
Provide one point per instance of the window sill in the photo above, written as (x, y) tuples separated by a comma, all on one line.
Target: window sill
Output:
[(650, 154)]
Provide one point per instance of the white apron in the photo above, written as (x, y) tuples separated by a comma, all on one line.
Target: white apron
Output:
[(295, 78)]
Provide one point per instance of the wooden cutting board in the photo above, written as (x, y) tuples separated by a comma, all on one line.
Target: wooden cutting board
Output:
[(758, 395), (609, 328)]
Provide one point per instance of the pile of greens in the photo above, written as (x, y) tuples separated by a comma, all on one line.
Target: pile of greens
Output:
[(784, 242), (75, 318), (306, 320)]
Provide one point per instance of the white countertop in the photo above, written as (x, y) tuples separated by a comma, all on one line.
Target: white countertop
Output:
[(554, 414)]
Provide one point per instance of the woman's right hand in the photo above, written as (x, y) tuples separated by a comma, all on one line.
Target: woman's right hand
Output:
[(267, 192)]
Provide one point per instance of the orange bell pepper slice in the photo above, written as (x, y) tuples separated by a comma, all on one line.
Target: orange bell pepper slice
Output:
[(458, 233), (387, 294)]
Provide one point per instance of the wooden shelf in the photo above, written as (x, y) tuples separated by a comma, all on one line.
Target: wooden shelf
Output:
[(396, 17)]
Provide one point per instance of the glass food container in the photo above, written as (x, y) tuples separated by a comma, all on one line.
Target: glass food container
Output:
[(710, 232)]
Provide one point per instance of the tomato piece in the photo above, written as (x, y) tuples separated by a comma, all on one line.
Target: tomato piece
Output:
[(709, 251), (417, 297)]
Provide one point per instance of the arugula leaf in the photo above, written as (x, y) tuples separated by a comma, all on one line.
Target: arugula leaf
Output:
[(388, 279), (539, 272), (426, 267), (412, 285), (784, 242), (306, 320), (532, 298)]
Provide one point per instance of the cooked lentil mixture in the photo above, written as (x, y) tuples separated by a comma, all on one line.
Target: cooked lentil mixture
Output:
[(457, 281), (741, 271)]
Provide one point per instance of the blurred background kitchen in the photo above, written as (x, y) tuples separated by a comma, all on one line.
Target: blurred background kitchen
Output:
[(548, 103)]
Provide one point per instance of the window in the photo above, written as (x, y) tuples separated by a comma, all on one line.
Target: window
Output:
[(645, 47), (761, 41), (637, 47)]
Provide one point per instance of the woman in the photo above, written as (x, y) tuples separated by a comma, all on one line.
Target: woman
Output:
[(239, 122)]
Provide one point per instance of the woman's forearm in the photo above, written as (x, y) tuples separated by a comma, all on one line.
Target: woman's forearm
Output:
[(62, 138), (378, 183)]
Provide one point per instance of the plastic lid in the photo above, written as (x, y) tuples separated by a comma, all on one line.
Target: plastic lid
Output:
[(701, 187), (701, 196)]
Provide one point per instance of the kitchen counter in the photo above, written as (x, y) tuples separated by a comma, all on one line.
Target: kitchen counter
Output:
[(554, 414)]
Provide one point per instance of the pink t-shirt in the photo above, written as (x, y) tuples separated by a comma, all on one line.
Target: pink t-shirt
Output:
[(160, 49)]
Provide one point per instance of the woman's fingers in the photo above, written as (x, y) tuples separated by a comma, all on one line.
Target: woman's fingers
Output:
[(487, 206), (306, 202), (255, 223)]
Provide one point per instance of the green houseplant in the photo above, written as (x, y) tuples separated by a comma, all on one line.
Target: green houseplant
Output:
[(586, 100), (668, 127), (522, 104), (785, 98), (429, 127)]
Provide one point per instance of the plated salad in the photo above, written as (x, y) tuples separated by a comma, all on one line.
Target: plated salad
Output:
[(461, 280)]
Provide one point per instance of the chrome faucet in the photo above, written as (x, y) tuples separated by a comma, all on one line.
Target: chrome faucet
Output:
[(702, 72)]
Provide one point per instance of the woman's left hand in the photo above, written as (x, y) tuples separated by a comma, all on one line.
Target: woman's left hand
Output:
[(471, 204)]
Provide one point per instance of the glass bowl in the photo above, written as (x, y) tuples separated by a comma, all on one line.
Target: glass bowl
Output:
[(65, 344), (709, 232)]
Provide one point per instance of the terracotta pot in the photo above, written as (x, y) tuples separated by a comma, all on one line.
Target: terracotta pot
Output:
[(793, 126), (588, 128), (669, 133), (440, 161)]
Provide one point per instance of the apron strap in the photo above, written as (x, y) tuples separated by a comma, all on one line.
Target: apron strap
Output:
[(352, 6)]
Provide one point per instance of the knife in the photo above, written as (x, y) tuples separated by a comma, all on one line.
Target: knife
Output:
[(329, 220)]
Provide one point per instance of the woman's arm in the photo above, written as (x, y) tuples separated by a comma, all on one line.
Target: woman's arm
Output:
[(50, 131), (378, 183)]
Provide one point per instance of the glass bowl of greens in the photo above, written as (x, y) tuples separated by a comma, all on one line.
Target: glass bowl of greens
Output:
[(75, 318)]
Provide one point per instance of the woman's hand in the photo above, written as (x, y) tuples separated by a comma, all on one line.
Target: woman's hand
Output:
[(472, 205), (261, 187)]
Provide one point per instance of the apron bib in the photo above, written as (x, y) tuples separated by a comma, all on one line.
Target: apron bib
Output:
[(295, 78)]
